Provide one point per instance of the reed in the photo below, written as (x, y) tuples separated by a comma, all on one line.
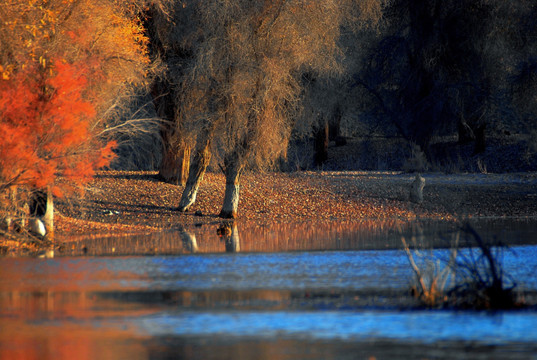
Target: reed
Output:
[(471, 277)]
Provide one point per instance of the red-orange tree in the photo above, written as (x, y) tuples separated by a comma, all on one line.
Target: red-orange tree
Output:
[(65, 65), (45, 124)]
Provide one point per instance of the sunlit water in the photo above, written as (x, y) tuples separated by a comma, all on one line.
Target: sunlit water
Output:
[(346, 303)]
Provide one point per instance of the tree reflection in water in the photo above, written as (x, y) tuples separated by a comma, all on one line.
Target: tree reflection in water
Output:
[(229, 233), (150, 307), (279, 237), (189, 241), (363, 234)]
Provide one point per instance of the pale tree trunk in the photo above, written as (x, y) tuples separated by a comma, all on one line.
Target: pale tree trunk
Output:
[(200, 161), (189, 241), (232, 241), (48, 218), (233, 172)]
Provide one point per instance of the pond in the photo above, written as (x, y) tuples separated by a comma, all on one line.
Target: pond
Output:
[(287, 291)]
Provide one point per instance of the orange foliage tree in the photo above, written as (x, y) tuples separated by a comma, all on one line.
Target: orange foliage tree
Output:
[(45, 123), (65, 66)]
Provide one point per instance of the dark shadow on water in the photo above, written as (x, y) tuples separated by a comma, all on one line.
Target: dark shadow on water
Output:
[(297, 348)]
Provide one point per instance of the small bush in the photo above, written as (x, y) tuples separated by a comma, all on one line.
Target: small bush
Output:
[(432, 279), (471, 278)]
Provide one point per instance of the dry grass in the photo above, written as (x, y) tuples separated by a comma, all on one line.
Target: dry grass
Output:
[(470, 278), (433, 280)]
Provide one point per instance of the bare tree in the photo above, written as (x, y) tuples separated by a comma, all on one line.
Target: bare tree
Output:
[(241, 90), (443, 67)]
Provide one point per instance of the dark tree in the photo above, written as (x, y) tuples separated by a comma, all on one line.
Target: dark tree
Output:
[(437, 68)]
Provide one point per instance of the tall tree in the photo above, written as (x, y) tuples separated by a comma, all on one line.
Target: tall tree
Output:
[(435, 68), (242, 88), (167, 47), (519, 31), (64, 65)]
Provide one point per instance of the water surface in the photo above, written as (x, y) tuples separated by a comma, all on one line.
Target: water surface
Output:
[(280, 294)]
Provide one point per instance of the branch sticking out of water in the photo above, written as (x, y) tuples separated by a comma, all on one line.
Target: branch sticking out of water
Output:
[(477, 274), (432, 280)]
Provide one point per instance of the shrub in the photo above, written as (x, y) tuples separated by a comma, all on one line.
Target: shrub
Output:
[(431, 279), (471, 278)]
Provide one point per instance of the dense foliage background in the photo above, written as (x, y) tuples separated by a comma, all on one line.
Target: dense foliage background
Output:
[(235, 85)]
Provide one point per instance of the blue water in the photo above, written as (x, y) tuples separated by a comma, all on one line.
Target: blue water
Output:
[(242, 297), (422, 326), (383, 269)]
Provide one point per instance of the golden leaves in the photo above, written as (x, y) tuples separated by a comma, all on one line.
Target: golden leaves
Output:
[(6, 71), (62, 62)]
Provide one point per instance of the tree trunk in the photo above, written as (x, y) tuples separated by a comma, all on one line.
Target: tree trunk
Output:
[(199, 164), (48, 218), (321, 143), (175, 162), (334, 131), (465, 132), (12, 213), (175, 154), (233, 172), (25, 215), (480, 139)]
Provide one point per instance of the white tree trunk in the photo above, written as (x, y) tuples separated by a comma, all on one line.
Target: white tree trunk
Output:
[(233, 242), (231, 201), (231, 195), (190, 192), (48, 218), (198, 166)]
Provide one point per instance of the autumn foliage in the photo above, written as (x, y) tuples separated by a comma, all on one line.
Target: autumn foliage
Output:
[(65, 68), (45, 123)]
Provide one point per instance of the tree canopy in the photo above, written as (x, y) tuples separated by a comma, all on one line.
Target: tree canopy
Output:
[(240, 85), (64, 66)]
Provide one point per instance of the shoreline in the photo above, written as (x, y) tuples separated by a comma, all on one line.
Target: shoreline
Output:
[(135, 202)]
